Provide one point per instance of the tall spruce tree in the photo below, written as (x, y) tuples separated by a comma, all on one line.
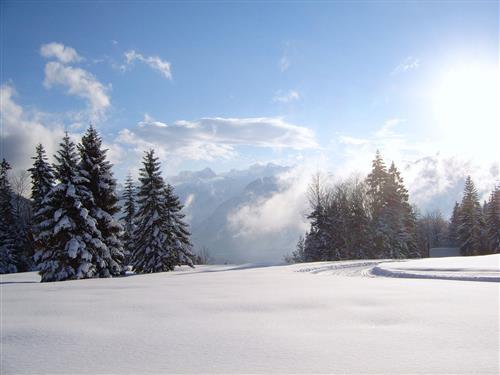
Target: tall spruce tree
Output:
[(8, 232), (470, 221), (160, 243), (406, 223), (128, 218), (71, 238), (42, 181), (100, 182), (178, 241), (376, 182), (493, 221)]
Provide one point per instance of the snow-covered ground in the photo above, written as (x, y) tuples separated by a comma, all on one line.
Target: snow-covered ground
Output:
[(329, 317), (480, 268)]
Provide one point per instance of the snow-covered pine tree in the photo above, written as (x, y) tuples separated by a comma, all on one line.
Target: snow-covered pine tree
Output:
[(493, 221), (152, 251), (470, 221), (178, 234), (128, 218), (376, 182), (69, 233), (453, 227), (8, 233), (100, 182), (42, 181)]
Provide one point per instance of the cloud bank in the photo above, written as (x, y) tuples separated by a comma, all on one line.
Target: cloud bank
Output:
[(212, 138), (21, 131)]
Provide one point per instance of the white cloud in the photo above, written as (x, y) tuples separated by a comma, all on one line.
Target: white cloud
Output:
[(81, 83), (286, 97), (437, 181), (116, 153), (410, 63), (61, 52), (21, 131), (214, 138), (154, 62), (282, 211)]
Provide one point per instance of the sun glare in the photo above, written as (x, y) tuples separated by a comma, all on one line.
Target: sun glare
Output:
[(465, 102)]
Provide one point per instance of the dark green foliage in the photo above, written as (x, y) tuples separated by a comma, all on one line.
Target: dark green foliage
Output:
[(69, 234), (42, 181), (161, 239), (128, 218), (100, 182), (8, 230), (357, 220), (453, 239), (470, 221), (493, 221)]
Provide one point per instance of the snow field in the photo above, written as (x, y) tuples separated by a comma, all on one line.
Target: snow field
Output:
[(238, 319)]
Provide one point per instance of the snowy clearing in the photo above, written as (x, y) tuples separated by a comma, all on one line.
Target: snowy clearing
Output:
[(326, 317)]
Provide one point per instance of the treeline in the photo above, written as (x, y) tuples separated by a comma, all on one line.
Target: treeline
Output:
[(372, 218), (73, 231)]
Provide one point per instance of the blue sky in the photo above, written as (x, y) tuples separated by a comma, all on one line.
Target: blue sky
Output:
[(227, 84)]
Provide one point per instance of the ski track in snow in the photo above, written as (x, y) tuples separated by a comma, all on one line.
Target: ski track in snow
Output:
[(343, 268), (452, 268)]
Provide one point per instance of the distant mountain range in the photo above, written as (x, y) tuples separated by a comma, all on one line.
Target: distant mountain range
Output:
[(210, 199)]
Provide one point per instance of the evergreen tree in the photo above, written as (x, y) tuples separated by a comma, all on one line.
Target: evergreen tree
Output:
[(471, 221), (358, 224), (72, 241), (8, 233), (407, 218), (100, 182), (42, 177), (493, 221), (317, 243), (376, 182), (453, 239), (298, 255), (160, 240), (42, 181), (178, 240), (129, 212)]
